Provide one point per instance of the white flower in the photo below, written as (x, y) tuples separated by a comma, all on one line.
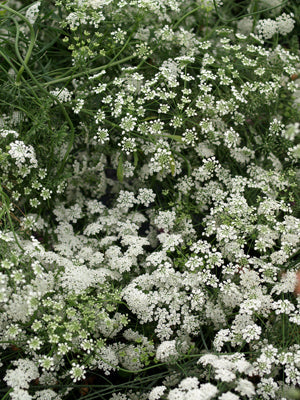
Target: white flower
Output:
[(221, 337), (6, 132), (20, 394), (32, 12), (229, 396), (77, 278), (165, 220), (189, 383), (126, 199), (35, 343), (208, 359), (77, 372), (128, 145), (47, 363), (170, 242), (283, 307), (22, 153), (166, 351), (20, 377), (63, 95), (266, 28), (146, 196), (267, 388), (224, 375), (208, 391), (245, 388), (285, 23), (245, 25), (156, 393), (108, 360), (46, 394)]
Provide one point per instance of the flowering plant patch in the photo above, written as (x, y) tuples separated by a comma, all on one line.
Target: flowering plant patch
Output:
[(149, 221)]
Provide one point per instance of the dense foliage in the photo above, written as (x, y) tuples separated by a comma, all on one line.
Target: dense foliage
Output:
[(149, 231)]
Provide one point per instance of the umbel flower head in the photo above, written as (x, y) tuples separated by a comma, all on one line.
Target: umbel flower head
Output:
[(148, 223)]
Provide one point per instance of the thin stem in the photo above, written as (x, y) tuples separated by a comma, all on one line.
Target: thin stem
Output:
[(31, 44), (5, 203), (189, 171), (8, 61), (90, 71), (7, 394), (70, 145), (124, 47), (185, 16), (203, 339), (246, 15), (112, 63)]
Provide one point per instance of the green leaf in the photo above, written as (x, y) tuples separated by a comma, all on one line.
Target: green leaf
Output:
[(135, 158), (177, 138), (172, 165), (120, 170), (3, 12)]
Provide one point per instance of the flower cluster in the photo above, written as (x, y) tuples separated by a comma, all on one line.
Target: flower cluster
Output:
[(149, 231), (21, 175)]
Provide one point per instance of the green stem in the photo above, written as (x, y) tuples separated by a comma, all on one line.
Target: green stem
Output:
[(185, 16), (189, 171), (31, 45), (70, 145), (112, 63), (203, 340), (90, 71), (8, 61), (7, 394), (249, 14), (17, 107), (96, 69), (5, 204), (124, 47)]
